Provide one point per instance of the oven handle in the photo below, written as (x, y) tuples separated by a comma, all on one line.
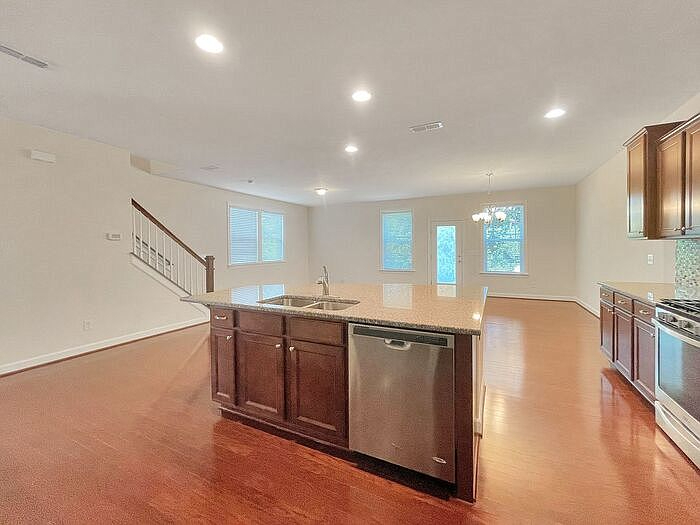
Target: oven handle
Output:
[(686, 339)]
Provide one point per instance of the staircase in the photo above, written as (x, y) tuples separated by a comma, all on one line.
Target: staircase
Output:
[(159, 248)]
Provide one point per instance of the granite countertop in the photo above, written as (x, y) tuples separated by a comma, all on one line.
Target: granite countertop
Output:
[(442, 308), (652, 292)]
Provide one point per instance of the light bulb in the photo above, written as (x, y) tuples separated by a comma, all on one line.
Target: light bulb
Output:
[(476, 217)]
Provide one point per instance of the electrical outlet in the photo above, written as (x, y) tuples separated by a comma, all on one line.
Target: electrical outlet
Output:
[(650, 258), (87, 325)]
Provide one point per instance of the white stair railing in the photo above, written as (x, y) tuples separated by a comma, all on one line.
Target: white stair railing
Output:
[(163, 251)]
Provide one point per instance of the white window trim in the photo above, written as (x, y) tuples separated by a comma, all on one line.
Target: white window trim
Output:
[(258, 212), (381, 241), (526, 262)]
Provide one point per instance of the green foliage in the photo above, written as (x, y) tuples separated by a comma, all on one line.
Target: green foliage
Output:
[(503, 241), (397, 240)]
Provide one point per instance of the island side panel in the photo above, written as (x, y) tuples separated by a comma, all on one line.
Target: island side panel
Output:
[(464, 419)]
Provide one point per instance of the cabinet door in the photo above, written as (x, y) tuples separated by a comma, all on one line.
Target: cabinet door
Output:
[(643, 359), (260, 374), (318, 390), (636, 187), (670, 186), (692, 180), (623, 343), (607, 330), (223, 373)]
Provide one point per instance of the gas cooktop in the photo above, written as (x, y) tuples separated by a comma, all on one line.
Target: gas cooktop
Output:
[(689, 307)]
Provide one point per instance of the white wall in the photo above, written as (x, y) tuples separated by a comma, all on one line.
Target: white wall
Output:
[(603, 251), (347, 239), (58, 269)]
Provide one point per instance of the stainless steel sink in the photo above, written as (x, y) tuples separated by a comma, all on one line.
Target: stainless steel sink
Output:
[(309, 302), (332, 305), (284, 300)]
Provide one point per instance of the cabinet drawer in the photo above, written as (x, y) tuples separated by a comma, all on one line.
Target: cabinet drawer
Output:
[(623, 302), (222, 317), (260, 323), (643, 311), (606, 295), (327, 332)]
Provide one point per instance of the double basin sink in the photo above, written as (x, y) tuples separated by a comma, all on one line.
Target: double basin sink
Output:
[(310, 302)]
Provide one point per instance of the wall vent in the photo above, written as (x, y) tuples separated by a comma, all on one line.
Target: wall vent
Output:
[(21, 56), (430, 126)]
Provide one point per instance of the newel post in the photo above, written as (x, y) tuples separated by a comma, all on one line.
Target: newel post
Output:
[(209, 259)]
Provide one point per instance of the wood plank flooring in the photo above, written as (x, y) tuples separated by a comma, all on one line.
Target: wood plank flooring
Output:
[(129, 435)]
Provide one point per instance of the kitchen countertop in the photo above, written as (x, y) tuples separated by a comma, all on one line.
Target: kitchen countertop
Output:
[(652, 292), (442, 308)]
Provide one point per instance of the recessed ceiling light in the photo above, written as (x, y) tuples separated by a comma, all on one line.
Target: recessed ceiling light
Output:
[(555, 113), (361, 96), (351, 148), (321, 191), (209, 43)]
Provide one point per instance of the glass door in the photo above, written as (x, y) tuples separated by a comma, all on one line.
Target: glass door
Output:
[(446, 252)]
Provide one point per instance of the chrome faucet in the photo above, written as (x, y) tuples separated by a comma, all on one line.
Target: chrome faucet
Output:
[(323, 279)]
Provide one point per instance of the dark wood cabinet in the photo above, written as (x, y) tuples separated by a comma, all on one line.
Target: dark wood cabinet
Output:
[(641, 180), (607, 330), (644, 370), (623, 343), (627, 338), (317, 389), (287, 371), (670, 185), (260, 367), (692, 179), (223, 373)]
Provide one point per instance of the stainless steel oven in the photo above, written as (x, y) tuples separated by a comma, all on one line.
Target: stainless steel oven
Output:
[(678, 376)]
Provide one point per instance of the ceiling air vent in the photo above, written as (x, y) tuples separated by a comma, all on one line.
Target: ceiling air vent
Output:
[(21, 56), (430, 126), (210, 167)]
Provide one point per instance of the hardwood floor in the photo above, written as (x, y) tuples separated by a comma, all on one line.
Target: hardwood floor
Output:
[(130, 435)]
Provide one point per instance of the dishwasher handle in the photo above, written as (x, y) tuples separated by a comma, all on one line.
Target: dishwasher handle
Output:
[(397, 344), (400, 336)]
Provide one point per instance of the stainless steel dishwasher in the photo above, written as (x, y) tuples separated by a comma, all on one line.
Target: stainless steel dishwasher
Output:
[(402, 398)]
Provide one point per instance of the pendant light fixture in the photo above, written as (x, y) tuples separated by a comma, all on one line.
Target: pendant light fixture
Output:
[(489, 213)]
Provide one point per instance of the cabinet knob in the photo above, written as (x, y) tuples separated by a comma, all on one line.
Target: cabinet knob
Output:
[(291, 349), (644, 312), (228, 337), (278, 345), (220, 317)]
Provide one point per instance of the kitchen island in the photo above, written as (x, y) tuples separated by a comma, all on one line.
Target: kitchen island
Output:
[(288, 359)]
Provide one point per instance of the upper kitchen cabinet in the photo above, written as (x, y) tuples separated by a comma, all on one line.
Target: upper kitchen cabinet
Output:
[(678, 179), (692, 178), (641, 180)]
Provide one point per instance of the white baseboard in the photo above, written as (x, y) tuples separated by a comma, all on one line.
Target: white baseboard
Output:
[(566, 298), (98, 345), (588, 307)]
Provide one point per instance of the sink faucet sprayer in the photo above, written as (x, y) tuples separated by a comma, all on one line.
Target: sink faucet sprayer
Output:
[(324, 280)]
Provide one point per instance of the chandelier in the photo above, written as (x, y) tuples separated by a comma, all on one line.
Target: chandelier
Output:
[(489, 213)]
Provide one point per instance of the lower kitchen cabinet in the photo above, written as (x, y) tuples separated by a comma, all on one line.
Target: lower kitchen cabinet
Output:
[(317, 389), (607, 330), (623, 343), (644, 358), (223, 374), (260, 374)]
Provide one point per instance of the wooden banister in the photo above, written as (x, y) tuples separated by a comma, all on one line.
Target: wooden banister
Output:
[(207, 262), (174, 237)]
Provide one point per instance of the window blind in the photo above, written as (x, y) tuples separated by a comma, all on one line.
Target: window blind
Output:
[(243, 236), (272, 236)]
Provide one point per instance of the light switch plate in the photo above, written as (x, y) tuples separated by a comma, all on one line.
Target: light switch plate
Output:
[(114, 236), (650, 258)]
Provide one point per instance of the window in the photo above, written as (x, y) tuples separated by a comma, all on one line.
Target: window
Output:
[(397, 241), (504, 242), (255, 236)]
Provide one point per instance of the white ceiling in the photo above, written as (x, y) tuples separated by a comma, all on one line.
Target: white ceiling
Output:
[(275, 106)]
